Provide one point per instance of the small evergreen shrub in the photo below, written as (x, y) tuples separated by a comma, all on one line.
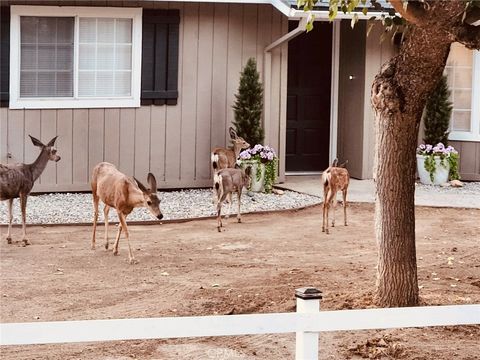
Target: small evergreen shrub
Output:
[(248, 106)]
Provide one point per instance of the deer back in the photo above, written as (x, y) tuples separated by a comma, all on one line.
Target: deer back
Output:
[(14, 179)]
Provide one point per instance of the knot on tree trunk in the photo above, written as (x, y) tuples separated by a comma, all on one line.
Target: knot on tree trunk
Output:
[(387, 97)]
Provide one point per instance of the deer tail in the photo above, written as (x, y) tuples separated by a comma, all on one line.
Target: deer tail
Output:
[(214, 159), (217, 181)]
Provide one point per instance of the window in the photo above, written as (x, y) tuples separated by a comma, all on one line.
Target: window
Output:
[(70, 57), (463, 72)]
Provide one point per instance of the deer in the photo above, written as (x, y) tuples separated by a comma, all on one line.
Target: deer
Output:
[(226, 181), (17, 180), (223, 158), (123, 193), (335, 178)]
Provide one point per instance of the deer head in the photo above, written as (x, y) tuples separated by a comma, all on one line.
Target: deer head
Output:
[(238, 142), (50, 148), (151, 200)]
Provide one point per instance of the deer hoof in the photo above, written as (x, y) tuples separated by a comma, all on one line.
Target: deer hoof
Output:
[(106, 246), (219, 229), (92, 247), (25, 242), (9, 240), (133, 261), (115, 253), (239, 220), (333, 224), (346, 224)]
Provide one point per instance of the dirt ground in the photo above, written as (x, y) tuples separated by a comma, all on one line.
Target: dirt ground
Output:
[(253, 267)]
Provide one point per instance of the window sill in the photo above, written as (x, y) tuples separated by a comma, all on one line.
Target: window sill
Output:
[(62, 103)]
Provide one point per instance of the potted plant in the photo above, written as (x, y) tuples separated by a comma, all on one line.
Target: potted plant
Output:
[(263, 161), (436, 161), (437, 164)]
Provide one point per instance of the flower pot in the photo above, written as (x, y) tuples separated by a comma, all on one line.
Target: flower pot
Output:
[(440, 175), (258, 174)]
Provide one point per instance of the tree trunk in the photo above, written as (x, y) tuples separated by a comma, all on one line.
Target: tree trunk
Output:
[(399, 94)]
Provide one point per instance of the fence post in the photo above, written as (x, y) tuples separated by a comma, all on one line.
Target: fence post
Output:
[(308, 301)]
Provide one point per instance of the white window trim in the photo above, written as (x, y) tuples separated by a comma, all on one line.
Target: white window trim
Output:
[(72, 102), (474, 133)]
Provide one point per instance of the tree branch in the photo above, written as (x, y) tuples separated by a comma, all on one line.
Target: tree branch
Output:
[(468, 35), (414, 13)]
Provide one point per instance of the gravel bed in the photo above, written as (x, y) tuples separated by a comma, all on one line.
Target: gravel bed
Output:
[(469, 188), (71, 208)]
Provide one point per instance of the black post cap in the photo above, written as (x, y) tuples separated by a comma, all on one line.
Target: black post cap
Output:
[(308, 293)]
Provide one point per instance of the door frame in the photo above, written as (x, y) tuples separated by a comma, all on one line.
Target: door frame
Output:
[(334, 93)]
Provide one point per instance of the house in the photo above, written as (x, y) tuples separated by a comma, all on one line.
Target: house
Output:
[(149, 86)]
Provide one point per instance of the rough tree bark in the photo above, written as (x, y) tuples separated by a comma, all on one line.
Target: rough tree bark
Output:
[(399, 94)]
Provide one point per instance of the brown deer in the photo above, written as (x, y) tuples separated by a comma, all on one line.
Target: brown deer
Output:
[(227, 181), (16, 180), (222, 158), (334, 178), (118, 191), (226, 158)]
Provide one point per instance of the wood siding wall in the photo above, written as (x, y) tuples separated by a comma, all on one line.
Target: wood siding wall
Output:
[(469, 159), (173, 142)]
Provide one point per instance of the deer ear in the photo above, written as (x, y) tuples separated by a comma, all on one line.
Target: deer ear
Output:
[(52, 142), (233, 133), (248, 170), (36, 142), (335, 162), (141, 186), (152, 182)]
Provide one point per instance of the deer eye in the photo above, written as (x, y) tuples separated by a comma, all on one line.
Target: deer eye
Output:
[(149, 202), (54, 151)]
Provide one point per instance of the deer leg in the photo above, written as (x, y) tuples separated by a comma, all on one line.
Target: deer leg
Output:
[(219, 212), (345, 206), (327, 206), (229, 202), (123, 222), (325, 196), (95, 218), (106, 210), (23, 205), (239, 215), (10, 218), (117, 238), (334, 208)]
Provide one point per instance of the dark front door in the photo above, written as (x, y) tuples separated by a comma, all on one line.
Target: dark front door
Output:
[(308, 99)]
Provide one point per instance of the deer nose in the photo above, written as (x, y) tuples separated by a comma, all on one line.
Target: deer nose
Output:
[(160, 217), (57, 159)]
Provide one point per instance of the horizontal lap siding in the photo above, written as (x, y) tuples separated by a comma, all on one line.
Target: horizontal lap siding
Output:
[(173, 142)]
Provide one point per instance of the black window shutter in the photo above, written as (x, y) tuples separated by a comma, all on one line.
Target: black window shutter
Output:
[(4, 55), (160, 57)]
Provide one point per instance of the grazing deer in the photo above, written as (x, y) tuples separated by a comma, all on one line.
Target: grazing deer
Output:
[(123, 193), (334, 179), (227, 158), (227, 181), (16, 180)]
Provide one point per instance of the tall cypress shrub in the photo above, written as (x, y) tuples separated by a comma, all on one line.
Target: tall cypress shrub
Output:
[(437, 114), (248, 106)]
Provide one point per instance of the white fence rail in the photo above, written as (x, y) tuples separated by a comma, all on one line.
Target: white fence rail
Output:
[(307, 322)]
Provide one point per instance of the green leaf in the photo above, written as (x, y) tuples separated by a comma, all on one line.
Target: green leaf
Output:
[(365, 11)]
